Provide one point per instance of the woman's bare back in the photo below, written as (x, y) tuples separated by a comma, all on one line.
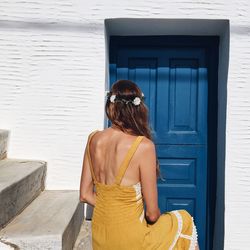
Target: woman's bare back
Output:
[(108, 149)]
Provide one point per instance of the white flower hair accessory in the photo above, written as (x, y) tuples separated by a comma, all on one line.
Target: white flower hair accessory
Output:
[(137, 101), (113, 98)]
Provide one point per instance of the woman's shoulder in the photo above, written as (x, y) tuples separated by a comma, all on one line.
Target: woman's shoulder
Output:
[(107, 133), (147, 144), (98, 135), (98, 132)]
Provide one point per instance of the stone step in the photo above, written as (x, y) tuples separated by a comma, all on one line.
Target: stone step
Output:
[(21, 181), (4, 135), (84, 238), (52, 221)]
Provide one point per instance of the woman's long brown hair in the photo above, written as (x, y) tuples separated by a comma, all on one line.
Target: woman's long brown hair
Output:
[(129, 118)]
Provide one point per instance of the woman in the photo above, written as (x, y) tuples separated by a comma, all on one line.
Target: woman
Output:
[(120, 162)]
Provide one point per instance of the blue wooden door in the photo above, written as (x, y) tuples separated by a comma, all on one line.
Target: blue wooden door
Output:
[(174, 80)]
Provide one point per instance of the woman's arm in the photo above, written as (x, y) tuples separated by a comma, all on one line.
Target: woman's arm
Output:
[(87, 193), (149, 180), (90, 198)]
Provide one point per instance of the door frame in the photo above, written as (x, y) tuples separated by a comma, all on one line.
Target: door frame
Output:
[(196, 26)]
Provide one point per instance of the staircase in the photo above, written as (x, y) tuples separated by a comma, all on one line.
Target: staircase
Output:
[(30, 216)]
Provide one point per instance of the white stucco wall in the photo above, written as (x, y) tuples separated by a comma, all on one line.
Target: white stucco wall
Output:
[(52, 82)]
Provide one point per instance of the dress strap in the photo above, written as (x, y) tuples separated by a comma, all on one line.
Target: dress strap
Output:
[(127, 159), (88, 154)]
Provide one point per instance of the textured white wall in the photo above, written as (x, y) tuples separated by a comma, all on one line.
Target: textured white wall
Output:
[(52, 74)]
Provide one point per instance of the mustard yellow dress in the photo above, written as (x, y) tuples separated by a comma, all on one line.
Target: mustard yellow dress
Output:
[(118, 221)]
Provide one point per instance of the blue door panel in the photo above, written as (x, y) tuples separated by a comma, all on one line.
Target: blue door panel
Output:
[(182, 168), (175, 84)]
